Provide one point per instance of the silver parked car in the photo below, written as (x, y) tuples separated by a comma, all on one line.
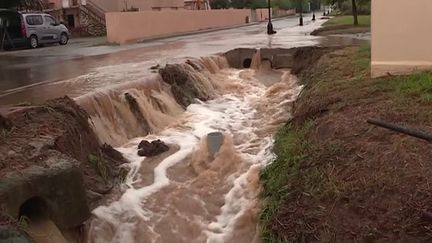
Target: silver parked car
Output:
[(32, 29)]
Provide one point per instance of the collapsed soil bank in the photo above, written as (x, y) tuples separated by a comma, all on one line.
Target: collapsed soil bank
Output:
[(338, 179), (35, 139)]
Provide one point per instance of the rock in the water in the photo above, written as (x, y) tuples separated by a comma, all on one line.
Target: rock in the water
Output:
[(113, 155), (154, 148), (144, 144)]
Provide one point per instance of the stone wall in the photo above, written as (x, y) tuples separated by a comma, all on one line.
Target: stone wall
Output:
[(90, 24)]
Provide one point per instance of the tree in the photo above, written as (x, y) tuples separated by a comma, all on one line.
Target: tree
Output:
[(220, 4), (354, 4), (300, 5), (238, 3), (253, 4), (258, 4), (23, 4), (283, 4), (315, 4), (10, 4), (354, 12)]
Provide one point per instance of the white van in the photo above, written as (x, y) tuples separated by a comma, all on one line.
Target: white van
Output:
[(31, 29)]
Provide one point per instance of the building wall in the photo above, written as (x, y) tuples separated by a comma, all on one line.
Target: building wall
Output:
[(192, 5), (58, 4), (124, 27), (109, 5), (401, 36), (262, 13), (142, 5), (153, 4), (120, 5), (55, 4)]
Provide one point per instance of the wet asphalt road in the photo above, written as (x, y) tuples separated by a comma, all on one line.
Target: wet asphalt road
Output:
[(87, 65)]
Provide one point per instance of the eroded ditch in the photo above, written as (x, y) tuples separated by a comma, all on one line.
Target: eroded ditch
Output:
[(183, 195)]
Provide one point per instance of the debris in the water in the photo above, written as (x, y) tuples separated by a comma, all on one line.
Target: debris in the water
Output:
[(154, 148), (214, 143), (155, 67)]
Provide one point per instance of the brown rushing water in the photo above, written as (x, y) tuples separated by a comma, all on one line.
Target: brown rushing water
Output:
[(184, 195)]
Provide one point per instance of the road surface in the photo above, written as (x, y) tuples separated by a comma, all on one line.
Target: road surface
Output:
[(87, 65)]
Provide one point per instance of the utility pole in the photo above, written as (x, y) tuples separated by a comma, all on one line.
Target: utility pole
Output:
[(270, 30), (301, 12)]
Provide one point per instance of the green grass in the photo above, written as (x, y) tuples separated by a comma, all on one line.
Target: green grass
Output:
[(290, 175), (362, 61), (290, 149), (364, 20), (418, 86), (100, 165)]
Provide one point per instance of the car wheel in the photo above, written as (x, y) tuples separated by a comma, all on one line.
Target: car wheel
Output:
[(33, 42), (64, 38)]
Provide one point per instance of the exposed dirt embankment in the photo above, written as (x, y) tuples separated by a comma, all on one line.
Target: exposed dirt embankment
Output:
[(337, 178), (183, 84), (41, 135)]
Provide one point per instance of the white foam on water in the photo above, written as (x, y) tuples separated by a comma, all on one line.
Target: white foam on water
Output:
[(237, 200), (232, 114)]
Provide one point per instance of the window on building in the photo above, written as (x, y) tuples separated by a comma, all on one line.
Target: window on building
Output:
[(34, 20)]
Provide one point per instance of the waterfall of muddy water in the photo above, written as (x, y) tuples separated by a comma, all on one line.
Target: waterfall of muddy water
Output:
[(181, 195), (116, 122), (256, 60)]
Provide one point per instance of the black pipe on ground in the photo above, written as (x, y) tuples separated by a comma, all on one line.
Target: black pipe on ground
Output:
[(408, 131)]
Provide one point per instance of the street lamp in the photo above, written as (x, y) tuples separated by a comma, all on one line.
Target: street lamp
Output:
[(301, 12), (270, 30), (313, 12)]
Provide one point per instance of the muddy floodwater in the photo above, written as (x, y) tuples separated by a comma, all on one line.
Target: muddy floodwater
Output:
[(185, 195)]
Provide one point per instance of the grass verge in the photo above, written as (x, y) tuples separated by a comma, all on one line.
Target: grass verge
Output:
[(338, 179), (290, 149), (344, 24), (364, 20)]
